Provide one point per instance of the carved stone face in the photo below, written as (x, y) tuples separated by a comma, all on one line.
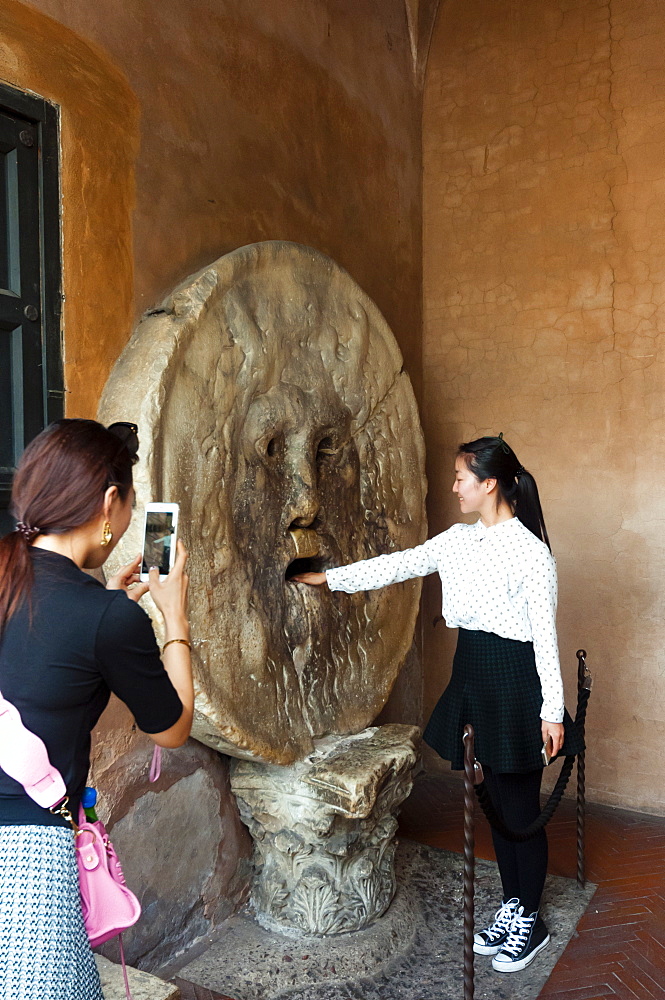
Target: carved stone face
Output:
[(298, 481), (273, 409)]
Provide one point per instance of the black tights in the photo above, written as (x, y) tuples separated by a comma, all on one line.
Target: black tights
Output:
[(522, 866)]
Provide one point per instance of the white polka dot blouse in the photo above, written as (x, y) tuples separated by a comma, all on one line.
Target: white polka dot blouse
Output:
[(499, 579)]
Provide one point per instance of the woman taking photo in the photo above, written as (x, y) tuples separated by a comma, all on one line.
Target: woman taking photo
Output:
[(66, 643), (499, 588)]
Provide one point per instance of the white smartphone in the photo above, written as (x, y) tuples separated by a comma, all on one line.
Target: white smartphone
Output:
[(159, 538), (547, 751)]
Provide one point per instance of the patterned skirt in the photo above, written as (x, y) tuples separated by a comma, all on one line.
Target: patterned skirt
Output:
[(494, 686), (44, 949)]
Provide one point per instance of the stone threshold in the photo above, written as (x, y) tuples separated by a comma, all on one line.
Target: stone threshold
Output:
[(143, 985)]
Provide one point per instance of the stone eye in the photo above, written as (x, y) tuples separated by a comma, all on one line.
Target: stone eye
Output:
[(270, 447), (326, 447)]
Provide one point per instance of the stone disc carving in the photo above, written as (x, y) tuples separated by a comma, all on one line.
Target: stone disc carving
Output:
[(272, 406)]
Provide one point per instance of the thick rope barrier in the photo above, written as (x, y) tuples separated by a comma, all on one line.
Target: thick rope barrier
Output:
[(519, 836)]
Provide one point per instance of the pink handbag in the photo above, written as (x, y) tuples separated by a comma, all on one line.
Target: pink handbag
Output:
[(108, 906)]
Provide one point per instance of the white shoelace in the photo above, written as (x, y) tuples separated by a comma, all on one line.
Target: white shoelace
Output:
[(503, 918), (519, 932)]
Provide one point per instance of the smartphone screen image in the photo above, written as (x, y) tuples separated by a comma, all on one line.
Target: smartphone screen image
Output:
[(159, 538)]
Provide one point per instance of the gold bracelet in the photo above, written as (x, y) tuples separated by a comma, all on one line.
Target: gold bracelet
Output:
[(185, 642)]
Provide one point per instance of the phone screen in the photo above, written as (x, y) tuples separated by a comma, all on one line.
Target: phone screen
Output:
[(157, 542)]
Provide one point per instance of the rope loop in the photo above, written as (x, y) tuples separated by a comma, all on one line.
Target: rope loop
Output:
[(519, 836)]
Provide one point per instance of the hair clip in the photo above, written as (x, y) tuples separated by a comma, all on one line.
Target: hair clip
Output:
[(504, 447), (25, 530), (127, 433)]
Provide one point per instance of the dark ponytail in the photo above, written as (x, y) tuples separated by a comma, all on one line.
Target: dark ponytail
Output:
[(493, 458), (59, 485)]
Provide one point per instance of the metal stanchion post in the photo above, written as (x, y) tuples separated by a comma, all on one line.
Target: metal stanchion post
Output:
[(469, 860), (583, 681)]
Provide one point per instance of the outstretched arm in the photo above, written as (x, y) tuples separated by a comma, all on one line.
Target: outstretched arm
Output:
[(380, 571)]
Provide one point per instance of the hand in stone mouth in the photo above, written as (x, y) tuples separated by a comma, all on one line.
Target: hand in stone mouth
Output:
[(307, 544)]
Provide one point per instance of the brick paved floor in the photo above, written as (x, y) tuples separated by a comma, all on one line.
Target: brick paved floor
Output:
[(619, 950)]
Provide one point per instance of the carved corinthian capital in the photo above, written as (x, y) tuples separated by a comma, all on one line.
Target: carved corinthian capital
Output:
[(324, 830)]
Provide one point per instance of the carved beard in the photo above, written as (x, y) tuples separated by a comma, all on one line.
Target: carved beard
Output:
[(314, 637), (294, 645)]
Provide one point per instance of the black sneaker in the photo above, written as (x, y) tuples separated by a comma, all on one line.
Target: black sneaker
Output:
[(490, 940), (528, 936)]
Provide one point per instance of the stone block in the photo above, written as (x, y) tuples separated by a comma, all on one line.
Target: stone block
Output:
[(142, 985), (182, 846)]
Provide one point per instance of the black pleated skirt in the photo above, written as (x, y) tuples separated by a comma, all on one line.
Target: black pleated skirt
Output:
[(495, 687)]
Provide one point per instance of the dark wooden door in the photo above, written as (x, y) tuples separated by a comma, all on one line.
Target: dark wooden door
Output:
[(31, 390)]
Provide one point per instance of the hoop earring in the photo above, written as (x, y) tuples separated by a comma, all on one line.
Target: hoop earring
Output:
[(107, 534)]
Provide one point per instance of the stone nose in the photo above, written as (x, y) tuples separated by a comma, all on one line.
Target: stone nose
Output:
[(305, 501), (305, 508)]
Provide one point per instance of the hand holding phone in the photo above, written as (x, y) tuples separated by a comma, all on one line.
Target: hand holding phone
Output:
[(127, 579), (160, 534), (170, 596), (547, 752)]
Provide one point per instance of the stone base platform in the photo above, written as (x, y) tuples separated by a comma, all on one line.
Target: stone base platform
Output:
[(142, 984), (413, 953)]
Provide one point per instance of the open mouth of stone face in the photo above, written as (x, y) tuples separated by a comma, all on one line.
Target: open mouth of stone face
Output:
[(315, 564), (305, 546)]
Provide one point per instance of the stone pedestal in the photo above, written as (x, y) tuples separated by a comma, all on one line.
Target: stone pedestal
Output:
[(324, 830)]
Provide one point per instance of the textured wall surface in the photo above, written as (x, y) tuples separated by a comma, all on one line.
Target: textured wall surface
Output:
[(276, 119), (544, 258)]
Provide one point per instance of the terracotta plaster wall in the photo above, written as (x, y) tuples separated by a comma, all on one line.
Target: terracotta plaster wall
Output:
[(544, 288), (276, 119), (99, 140)]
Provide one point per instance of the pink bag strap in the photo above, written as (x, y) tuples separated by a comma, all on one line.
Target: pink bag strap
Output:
[(156, 764), (24, 757), (124, 969)]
